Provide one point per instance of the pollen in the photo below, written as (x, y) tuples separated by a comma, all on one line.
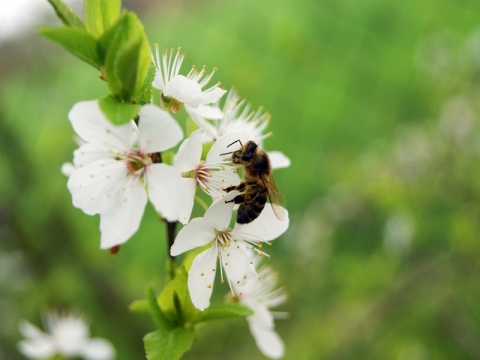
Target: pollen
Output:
[(209, 286), (226, 264), (202, 274), (244, 276)]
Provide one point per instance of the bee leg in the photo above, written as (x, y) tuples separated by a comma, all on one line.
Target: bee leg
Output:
[(239, 187), (239, 199)]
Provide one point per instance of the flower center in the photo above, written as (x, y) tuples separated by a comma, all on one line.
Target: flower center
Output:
[(223, 238), (137, 161), (170, 104)]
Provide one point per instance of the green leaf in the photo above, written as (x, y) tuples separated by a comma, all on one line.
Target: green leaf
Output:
[(224, 311), (175, 302), (118, 112), (139, 306), (164, 344), (66, 15), (158, 316), (100, 15), (145, 92), (75, 40), (127, 57)]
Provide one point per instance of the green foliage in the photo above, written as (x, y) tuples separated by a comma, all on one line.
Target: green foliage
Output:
[(174, 300), (225, 311), (66, 15), (75, 40), (164, 344), (118, 112), (117, 46), (100, 15), (127, 57)]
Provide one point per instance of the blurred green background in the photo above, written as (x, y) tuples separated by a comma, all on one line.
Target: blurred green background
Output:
[(376, 102)]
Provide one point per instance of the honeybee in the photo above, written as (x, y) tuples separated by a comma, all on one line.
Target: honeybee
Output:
[(258, 184)]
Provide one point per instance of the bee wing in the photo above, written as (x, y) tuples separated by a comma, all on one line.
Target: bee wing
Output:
[(277, 200)]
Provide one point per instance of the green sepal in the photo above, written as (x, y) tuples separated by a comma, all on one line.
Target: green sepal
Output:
[(157, 314), (175, 302), (224, 311), (117, 111), (164, 344), (66, 15), (126, 56), (76, 41), (100, 15), (139, 306)]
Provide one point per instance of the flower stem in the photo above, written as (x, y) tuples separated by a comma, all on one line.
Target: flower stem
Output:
[(170, 239)]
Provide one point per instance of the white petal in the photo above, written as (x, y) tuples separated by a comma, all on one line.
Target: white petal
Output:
[(261, 317), (40, 348), (92, 184), (201, 277), (158, 130), (238, 266), (266, 227), (268, 341), (98, 349), (196, 233), (122, 218), (88, 153), (219, 213), (163, 191), (190, 152), (212, 95), (189, 187), (227, 144), (211, 112), (91, 125), (67, 169), (278, 160), (30, 331), (184, 90), (209, 131)]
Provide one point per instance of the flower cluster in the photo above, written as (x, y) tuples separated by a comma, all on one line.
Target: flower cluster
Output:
[(67, 336), (117, 169)]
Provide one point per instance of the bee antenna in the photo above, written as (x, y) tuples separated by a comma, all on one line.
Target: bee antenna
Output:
[(234, 143), (231, 152)]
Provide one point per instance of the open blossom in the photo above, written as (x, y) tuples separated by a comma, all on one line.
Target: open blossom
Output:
[(178, 90), (117, 169), (212, 175), (239, 118), (231, 247), (260, 295), (66, 336)]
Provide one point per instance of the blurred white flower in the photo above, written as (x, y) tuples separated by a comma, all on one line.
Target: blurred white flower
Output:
[(117, 168), (67, 336), (178, 90), (232, 247), (212, 175), (260, 295), (239, 119)]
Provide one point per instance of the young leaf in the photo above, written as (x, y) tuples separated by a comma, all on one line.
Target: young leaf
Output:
[(164, 344), (127, 57), (139, 306), (175, 302), (100, 15), (145, 93), (227, 310), (157, 314), (118, 112), (77, 41), (66, 15)]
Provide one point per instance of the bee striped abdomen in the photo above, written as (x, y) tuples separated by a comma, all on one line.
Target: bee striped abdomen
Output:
[(251, 209)]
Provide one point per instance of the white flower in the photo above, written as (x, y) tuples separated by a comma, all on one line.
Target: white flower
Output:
[(187, 90), (212, 175), (260, 295), (238, 118), (67, 335), (117, 168), (232, 247)]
